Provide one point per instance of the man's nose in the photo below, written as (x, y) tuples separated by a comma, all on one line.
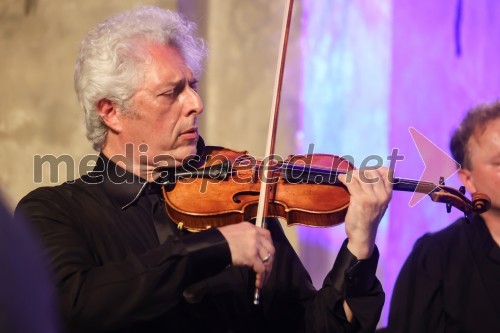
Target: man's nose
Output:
[(193, 102)]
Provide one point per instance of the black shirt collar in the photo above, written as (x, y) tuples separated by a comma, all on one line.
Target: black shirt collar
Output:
[(124, 187)]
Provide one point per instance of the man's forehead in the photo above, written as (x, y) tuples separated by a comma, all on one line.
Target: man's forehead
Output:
[(486, 131), (168, 59), (157, 51), (490, 125)]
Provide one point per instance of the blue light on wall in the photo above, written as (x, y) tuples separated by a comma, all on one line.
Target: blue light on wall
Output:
[(346, 54)]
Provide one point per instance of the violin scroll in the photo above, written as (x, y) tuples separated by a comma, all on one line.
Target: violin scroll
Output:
[(480, 202), (452, 197)]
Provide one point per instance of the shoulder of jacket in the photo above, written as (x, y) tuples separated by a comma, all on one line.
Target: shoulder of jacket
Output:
[(443, 238)]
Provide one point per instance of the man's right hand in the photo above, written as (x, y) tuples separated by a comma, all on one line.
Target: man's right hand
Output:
[(252, 247)]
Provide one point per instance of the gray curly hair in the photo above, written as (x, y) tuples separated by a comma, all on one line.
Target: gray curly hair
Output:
[(109, 61)]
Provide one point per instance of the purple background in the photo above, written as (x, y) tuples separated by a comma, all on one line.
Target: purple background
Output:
[(371, 70)]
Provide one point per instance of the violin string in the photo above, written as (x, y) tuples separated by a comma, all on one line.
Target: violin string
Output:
[(426, 186), (423, 185), (292, 166), (288, 166)]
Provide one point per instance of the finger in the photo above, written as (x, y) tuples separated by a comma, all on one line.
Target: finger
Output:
[(269, 268), (355, 181), (267, 252), (370, 178), (266, 247), (266, 256), (263, 277), (260, 273), (376, 189), (346, 178), (384, 187), (388, 180)]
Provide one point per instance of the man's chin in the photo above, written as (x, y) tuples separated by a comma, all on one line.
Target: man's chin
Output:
[(175, 157)]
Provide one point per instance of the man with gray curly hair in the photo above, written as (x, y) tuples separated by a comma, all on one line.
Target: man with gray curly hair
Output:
[(122, 265), (112, 60)]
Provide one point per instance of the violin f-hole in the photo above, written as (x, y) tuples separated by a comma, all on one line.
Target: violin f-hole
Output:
[(237, 196)]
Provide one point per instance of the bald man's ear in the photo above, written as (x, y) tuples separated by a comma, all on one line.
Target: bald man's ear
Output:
[(467, 179), (109, 114)]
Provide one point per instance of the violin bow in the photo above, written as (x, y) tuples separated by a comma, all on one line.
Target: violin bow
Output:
[(263, 205)]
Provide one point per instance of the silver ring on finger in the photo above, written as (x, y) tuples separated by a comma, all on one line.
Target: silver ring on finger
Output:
[(266, 258)]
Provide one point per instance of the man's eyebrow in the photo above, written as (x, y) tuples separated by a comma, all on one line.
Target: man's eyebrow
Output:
[(178, 83), (173, 84)]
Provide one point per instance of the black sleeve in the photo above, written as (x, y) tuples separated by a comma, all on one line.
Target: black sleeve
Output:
[(322, 310), (417, 300), (98, 297), (355, 282)]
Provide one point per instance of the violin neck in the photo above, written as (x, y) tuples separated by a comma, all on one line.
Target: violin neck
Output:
[(321, 176), (410, 185)]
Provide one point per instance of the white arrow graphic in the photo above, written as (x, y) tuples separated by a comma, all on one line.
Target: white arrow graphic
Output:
[(437, 163)]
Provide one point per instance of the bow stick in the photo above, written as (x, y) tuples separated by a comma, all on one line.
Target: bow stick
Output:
[(263, 204)]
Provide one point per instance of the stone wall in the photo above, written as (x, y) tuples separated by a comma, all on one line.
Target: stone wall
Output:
[(39, 111)]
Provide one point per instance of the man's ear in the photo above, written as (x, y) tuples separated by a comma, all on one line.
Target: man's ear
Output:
[(467, 179), (109, 114)]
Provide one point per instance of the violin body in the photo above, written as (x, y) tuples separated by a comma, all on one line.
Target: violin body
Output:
[(197, 203)]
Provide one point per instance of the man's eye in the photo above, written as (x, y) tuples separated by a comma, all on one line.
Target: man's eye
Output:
[(171, 93)]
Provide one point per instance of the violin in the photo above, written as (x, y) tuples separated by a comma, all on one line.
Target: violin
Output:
[(303, 190)]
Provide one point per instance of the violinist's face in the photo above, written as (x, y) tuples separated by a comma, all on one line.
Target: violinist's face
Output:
[(484, 153), (165, 109)]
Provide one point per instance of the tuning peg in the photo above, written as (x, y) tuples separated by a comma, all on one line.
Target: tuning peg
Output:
[(441, 181), (462, 189), (448, 208), (468, 217)]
